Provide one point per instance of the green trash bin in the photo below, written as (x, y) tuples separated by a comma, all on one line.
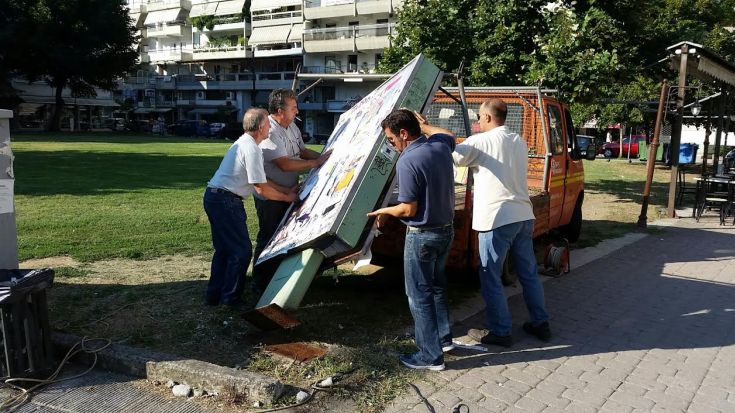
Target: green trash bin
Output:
[(643, 152)]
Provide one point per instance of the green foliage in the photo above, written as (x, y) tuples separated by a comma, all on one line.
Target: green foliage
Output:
[(200, 22), (80, 44), (602, 56)]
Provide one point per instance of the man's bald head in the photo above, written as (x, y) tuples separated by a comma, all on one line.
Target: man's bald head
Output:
[(495, 108)]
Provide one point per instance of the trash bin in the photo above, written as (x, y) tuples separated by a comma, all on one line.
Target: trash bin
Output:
[(26, 335), (688, 153), (643, 151)]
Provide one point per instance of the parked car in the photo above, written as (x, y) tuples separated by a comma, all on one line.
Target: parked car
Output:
[(584, 142), (612, 149), (231, 131), (190, 128), (215, 127)]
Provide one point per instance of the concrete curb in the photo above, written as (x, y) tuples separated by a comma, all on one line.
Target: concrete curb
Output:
[(163, 367)]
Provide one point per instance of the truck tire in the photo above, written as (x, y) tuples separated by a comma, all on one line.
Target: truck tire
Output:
[(573, 229)]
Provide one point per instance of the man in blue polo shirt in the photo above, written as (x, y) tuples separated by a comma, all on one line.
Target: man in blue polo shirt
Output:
[(426, 205)]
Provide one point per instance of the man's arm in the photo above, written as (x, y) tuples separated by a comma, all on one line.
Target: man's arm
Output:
[(429, 130), (402, 210), (307, 153), (272, 191), (287, 164)]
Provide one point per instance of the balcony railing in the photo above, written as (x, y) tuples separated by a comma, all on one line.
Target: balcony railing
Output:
[(349, 68), (334, 33), (321, 3), (221, 52), (164, 30), (276, 16)]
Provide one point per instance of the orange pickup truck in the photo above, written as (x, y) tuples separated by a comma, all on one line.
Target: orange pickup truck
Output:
[(555, 170)]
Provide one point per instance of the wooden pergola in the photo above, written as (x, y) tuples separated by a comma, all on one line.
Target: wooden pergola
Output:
[(691, 59)]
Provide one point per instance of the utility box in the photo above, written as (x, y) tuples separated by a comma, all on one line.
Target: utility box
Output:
[(25, 344), (8, 235)]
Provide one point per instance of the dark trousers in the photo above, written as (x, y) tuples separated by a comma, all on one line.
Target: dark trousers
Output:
[(270, 214), (232, 247)]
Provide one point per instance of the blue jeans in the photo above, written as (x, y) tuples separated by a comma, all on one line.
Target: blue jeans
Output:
[(270, 213), (424, 257), (516, 238), (232, 247)]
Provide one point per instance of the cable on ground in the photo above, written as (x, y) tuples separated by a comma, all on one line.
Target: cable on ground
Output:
[(18, 400)]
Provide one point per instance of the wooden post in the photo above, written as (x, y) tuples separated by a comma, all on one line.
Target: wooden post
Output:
[(8, 235), (676, 132), (642, 218)]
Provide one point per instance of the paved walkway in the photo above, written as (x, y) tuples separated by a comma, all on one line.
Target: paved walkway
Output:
[(650, 327), (101, 392)]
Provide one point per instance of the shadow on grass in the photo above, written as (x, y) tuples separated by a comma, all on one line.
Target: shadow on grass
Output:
[(95, 173), (170, 317), (629, 190)]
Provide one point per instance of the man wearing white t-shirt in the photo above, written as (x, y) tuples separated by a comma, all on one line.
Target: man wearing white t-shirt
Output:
[(502, 215), (285, 156), (239, 175)]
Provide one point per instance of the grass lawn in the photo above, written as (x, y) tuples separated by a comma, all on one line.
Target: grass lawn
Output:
[(124, 213)]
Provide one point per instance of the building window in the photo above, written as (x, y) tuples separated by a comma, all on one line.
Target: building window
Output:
[(352, 63), (382, 29), (332, 64)]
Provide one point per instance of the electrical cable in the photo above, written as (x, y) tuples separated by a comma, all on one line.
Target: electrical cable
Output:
[(320, 385), (18, 400)]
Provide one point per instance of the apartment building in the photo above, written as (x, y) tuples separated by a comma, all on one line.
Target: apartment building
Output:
[(342, 37), (197, 60)]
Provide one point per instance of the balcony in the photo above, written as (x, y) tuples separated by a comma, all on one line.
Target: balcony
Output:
[(350, 68), (153, 5), (272, 19), (170, 55), (144, 58), (165, 30), (221, 52), (317, 9), (286, 51), (274, 80), (228, 81), (150, 102), (348, 39), (320, 106)]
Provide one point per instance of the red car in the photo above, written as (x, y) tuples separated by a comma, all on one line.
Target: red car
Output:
[(612, 149)]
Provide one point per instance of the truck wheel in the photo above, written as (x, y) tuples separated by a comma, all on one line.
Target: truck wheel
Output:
[(573, 229), (608, 153)]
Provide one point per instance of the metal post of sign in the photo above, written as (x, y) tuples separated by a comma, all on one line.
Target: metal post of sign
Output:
[(8, 234)]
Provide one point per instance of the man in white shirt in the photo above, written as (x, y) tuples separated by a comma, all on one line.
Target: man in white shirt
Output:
[(285, 156), (239, 175), (503, 217)]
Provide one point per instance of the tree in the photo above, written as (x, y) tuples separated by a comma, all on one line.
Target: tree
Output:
[(80, 44), (594, 52)]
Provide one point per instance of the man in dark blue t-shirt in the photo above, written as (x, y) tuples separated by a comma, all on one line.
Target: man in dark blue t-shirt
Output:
[(426, 205)]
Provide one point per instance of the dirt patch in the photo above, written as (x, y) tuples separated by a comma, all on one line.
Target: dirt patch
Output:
[(50, 262)]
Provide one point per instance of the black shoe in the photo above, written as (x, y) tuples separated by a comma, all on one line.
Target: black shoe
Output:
[(486, 337), (541, 331)]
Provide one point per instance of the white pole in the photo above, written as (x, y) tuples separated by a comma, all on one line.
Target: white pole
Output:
[(8, 234), (630, 143)]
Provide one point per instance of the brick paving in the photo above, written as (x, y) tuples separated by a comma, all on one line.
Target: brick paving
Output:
[(648, 328)]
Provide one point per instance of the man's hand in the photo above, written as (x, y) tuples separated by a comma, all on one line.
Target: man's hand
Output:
[(380, 218), (419, 117), (291, 196), (323, 158)]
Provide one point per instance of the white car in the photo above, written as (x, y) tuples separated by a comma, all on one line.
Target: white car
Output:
[(215, 127)]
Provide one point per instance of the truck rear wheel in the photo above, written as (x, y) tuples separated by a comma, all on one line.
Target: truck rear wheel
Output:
[(573, 229)]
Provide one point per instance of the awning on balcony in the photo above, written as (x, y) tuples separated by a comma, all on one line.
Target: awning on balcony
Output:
[(162, 16), (209, 111), (152, 110), (203, 9), (69, 101), (270, 35), (257, 5), (296, 30), (230, 7)]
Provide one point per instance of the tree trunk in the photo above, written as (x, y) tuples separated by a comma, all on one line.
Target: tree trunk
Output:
[(55, 123)]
